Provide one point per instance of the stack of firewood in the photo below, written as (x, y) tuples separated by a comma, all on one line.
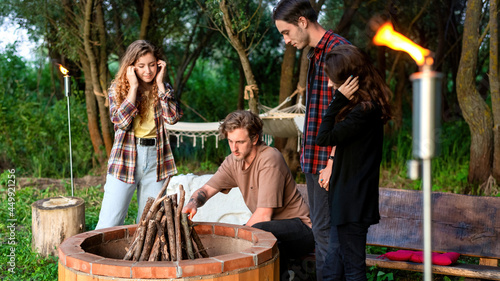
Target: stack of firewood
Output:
[(164, 232)]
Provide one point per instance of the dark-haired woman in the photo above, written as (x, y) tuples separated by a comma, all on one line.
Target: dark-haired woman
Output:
[(354, 124)]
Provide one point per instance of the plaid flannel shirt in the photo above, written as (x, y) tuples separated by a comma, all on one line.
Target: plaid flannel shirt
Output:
[(318, 96), (122, 161)]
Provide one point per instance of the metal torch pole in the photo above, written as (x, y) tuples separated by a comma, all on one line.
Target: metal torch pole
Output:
[(426, 116), (67, 90)]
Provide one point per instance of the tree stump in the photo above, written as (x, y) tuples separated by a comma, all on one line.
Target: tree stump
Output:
[(55, 219)]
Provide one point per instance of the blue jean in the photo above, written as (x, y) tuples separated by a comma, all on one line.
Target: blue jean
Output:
[(346, 257), (295, 239), (118, 194), (319, 210)]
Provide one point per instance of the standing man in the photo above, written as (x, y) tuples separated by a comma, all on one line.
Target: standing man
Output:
[(297, 21), (267, 186)]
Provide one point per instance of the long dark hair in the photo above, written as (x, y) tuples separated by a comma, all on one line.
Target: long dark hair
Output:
[(345, 60)]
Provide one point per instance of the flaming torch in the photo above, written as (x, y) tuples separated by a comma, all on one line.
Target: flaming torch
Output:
[(67, 92), (426, 115)]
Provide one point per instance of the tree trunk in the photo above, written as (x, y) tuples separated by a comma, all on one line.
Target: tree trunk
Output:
[(92, 115), (286, 82), (346, 19), (286, 89), (253, 101), (94, 76), (146, 14), (476, 112), (55, 219), (106, 126), (241, 90), (495, 86), (303, 67)]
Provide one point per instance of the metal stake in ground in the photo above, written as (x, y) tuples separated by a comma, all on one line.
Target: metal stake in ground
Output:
[(67, 93)]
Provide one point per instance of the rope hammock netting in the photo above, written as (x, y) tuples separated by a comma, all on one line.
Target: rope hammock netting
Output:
[(278, 122)]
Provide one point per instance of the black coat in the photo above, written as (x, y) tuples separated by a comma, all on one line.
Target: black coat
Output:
[(354, 183)]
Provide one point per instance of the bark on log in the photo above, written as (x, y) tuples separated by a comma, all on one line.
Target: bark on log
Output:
[(133, 243), (174, 200), (170, 228), (163, 189), (150, 235), (178, 209), (131, 249), (140, 242), (148, 205), (148, 212), (165, 255), (198, 242), (187, 236), (55, 219), (148, 241), (155, 251), (178, 235), (154, 208)]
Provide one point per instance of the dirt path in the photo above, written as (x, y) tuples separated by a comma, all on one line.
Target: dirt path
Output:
[(79, 183)]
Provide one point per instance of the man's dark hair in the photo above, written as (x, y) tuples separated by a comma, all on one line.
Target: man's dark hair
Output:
[(242, 119), (291, 10)]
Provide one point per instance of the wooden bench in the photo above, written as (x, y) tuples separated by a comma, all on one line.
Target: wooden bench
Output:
[(468, 225)]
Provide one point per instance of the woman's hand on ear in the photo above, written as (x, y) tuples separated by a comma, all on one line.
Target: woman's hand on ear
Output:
[(350, 86), (162, 65), (132, 77)]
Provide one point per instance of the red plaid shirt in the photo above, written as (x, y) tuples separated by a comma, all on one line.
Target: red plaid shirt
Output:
[(121, 163), (318, 96)]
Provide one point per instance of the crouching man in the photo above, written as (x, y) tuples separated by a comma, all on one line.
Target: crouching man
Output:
[(267, 186)]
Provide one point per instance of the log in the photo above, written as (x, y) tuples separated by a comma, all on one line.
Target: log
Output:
[(163, 189), (53, 220), (148, 205), (187, 236), (178, 209), (140, 242), (133, 242), (170, 228), (155, 251), (197, 241), (154, 208), (165, 256), (143, 228), (148, 241)]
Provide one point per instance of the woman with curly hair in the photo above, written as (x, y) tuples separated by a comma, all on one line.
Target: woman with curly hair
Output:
[(354, 123), (140, 106)]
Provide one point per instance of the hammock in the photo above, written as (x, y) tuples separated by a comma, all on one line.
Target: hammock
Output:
[(195, 130), (278, 122)]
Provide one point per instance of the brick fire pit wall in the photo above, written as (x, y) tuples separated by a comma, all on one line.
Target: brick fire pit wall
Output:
[(235, 252)]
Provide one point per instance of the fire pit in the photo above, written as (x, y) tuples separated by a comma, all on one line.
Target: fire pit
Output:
[(234, 250)]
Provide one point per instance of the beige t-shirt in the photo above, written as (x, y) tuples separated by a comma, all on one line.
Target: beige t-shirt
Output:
[(266, 183)]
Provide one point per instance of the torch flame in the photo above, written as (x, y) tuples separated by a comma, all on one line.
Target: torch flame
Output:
[(63, 70), (386, 36)]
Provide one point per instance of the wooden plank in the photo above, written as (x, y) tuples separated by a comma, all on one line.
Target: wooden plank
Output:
[(489, 262), (465, 270), (469, 225)]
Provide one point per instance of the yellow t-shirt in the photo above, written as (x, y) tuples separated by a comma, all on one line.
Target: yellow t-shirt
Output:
[(147, 129)]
